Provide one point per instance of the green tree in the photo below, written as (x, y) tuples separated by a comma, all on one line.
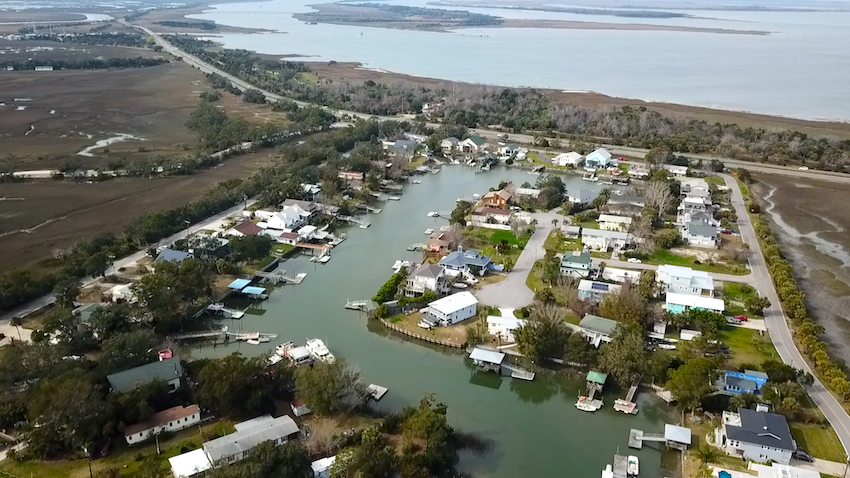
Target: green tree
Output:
[(461, 210), (329, 387), (744, 175), (551, 268), (373, 458), (111, 319), (235, 385), (172, 290), (127, 350), (251, 248), (627, 306), (692, 381), (756, 305), (543, 335), (66, 291), (624, 357), (647, 285)]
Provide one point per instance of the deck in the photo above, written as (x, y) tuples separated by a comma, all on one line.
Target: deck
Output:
[(518, 372), (637, 437), (621, 465), (377, 392)]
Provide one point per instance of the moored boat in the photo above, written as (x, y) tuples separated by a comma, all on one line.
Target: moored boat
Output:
[(320, 351), (633, 467)]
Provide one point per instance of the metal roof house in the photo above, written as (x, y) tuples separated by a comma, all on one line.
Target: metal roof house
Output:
[(452, 309), (756, 435), (172, 255), (597, 329), (170, 420), (599, 159), (189, 464), (677, 437), (595, 291), (699, 234), (684, 280), (748, 381), (234, 447), (576, 264), (168, 370)]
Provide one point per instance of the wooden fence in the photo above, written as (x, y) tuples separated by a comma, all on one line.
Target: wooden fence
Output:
[(431, 340)]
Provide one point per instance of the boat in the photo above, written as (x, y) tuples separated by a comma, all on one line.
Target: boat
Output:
[(416, 181), (444, 228), (608, 472), (429, 231), (667, 346), (633, 467), (459, 285), (253, 342), (325, 258), (364, 226), (587, 405), (319, 351)]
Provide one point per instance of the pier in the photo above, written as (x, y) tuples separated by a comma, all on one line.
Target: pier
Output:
[(226, 312), (439, 214), (277, 276), (674, 436), (353, 220), (628, 406), (361, 305)]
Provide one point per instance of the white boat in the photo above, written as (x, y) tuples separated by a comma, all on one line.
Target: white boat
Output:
[(429, 231), (416, 181), (253, 342), (445, 228), (319, 351), (666, 347), (608, 472), (459, 285), (633, 467)]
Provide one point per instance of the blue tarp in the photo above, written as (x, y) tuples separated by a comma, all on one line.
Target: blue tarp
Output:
[(253, 290), (239, 284)]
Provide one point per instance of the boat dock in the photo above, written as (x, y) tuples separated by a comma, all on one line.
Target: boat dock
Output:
[(377, 392), (226, 312), (361, 305), (621, 466), (674, 436), (627, 406), (419, 246), (204, 334), (595, 382), (353, 220), (518, 372), (277, 276), (439, 214), (637, 437)]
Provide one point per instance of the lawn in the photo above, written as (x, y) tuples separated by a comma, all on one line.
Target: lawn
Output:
[(715, 180), (254, 266), (534, 281), (819, 441), (735, 296), (664, 256), (556, 242), (278, 249), (588, 224), (487, 240), (455, 333), (417, 161), (124, 458), (748, 346)]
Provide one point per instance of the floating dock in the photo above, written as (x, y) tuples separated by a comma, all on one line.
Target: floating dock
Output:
[(361, 305), (377, 392), (627, 406), (621, 466), (226, 312), (518, 372)]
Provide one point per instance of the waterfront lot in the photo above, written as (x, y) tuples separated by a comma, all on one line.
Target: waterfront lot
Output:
[(63, 211)]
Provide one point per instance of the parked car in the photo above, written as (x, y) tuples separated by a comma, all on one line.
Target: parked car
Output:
[(802, 455), (621, 158), (742, 318), (804, 168), (732, 321), (634, 260)]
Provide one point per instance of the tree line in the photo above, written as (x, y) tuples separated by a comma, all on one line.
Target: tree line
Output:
[(89, 64)]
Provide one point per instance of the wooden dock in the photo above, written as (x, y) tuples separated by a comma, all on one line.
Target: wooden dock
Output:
[(377, 392), (627, 406), (277, 276), (361, 305), (621, 466), (518, 372), (637, 437)]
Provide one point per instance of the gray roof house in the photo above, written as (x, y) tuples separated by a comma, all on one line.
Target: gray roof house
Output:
[(576, 264), (173, 255), (404, 147), (597, 329), (427, 277), (699, 234), (470, 259), (168, 370), (234, 447), (756, 435)]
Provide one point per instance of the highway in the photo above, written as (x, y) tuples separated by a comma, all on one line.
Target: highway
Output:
[(777, 322)]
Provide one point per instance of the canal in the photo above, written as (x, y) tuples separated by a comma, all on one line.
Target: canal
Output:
[(534, 426)]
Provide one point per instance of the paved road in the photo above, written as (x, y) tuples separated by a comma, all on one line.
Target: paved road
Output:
[(777, 323), (123, 262), (512, 292)]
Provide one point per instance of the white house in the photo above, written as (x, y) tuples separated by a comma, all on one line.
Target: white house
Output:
[(122, 292), (321, 468), (610, 222), (572, 158), (452, 309), (427, 277), (286, 220), (680, 303), (449, 145), (503, 327), (698, 234), (171, 420), (679, 171), (597, 329), (621, 275), (583, 197), (684, 280), (600, 240), (756, 435), (189, 464), (491, 217), (599, 159)]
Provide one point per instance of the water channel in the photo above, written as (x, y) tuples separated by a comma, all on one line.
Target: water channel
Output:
[(535, 428)]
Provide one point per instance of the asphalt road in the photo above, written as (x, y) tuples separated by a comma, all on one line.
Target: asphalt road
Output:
[(777, 322)]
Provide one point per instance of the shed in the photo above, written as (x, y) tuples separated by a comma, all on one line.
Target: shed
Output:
[(321, 468), (190, 463), (677, 437)]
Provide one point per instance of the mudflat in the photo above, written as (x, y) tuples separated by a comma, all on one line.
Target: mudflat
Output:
[(811, 223)]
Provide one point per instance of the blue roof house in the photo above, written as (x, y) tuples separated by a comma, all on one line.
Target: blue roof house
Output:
[(470, 260), (748, 381)]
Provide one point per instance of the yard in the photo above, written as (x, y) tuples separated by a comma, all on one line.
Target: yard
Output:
[(417, 161), (735, 296), (556, 242), (664, 256), (819, 441), (502, 246), (748, 346), (125, 458), (455, 333), (280, 249)]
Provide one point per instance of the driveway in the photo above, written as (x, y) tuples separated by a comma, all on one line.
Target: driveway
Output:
[(512, 292), (777, 323)]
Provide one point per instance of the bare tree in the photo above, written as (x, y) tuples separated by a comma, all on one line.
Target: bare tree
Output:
[(658, 196), (323, 431)]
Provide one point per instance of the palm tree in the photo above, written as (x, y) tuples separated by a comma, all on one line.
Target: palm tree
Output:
[(708, 454), (555, 222), (17, 322)]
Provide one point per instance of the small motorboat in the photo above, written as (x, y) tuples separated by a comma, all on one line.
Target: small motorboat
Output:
[(608, 472), (416, 181), (253, 342), (459, 285), (633, 467), (429, 231), (666, 346)]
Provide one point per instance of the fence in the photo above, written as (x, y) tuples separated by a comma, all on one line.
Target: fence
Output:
[(400, 330)]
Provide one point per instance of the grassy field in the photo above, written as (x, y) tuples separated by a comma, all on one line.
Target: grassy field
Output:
[(664, 256), (126, 459), (735, 296), (455, 333), (819, 441), (556, 242), (748, 346), (487, 240), (414, 163), (281, 248)]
